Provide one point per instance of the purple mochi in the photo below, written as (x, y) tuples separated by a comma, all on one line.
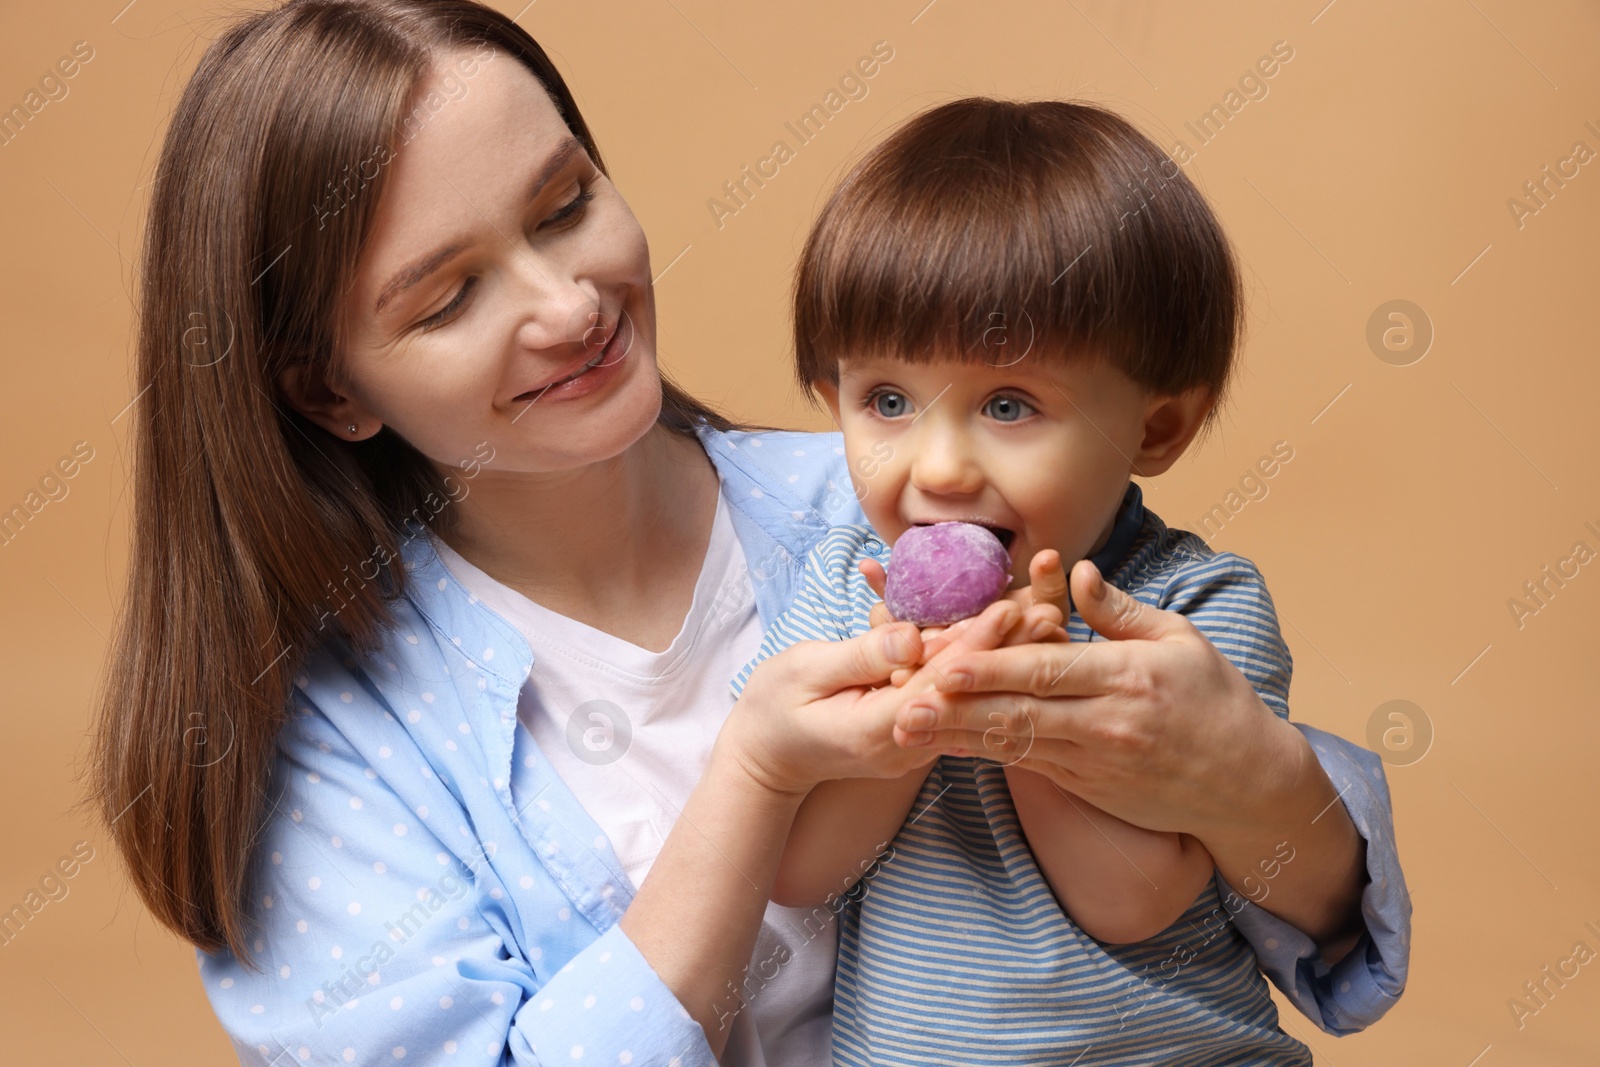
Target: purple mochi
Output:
[(945, 572)]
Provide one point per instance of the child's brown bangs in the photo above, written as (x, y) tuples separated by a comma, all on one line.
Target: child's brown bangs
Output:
[(991, 231), (951, 266)]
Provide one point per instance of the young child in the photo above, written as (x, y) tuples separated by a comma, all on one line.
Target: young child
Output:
[(1010, 308)]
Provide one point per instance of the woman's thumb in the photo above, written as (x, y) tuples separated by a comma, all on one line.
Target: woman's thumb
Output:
[(866, 660), (1109, 611)]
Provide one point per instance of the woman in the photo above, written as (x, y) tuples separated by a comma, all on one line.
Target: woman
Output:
[(437, 587)]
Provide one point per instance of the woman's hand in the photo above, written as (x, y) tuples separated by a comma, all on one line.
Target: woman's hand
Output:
[(1158, 728), (1148, 725), (821, 710)]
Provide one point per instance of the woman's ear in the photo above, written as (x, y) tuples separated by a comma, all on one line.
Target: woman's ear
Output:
[(307, 391), (1170, 424)]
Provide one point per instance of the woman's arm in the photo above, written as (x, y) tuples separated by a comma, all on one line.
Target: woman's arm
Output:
[(1346, 995), (696, 916), (387, 928), (1295, 806), (805, 715), (383, 933), (1119, 882)]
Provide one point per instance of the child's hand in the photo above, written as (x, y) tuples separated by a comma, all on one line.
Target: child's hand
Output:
[(1047, 582), (1043, 601), (1043, 598)]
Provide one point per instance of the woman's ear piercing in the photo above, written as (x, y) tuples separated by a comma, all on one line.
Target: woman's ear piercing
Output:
[(352, 427)]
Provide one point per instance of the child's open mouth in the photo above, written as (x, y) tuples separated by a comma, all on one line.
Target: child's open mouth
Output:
[(1007, 537)]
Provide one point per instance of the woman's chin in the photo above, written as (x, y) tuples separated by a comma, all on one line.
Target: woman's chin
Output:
[(605, 422)]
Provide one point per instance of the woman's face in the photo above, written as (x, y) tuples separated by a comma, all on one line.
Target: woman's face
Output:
[(504, 296)]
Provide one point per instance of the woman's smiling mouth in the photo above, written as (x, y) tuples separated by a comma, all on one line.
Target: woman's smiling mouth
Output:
[(613, 352)]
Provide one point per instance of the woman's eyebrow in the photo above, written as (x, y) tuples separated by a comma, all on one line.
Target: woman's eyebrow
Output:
[(415, 271)]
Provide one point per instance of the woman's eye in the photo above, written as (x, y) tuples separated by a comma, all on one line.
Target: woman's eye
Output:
[(570, 210), (889, 405), (1007, 409), (444, 314)]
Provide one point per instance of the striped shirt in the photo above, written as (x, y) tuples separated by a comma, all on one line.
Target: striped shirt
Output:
[(953, 948)]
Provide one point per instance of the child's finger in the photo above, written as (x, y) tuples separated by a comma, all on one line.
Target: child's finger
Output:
[(939, 637), (983, 631), (1038, 623), (875, 575), (1047, 581), (1021, 595), (873, 572), (901, 676)]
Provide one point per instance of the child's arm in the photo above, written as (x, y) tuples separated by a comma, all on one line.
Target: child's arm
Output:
[(844, 825), (841, 828), (1119, 882)]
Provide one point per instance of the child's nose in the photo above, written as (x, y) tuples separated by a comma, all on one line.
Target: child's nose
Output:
[(944, 466)]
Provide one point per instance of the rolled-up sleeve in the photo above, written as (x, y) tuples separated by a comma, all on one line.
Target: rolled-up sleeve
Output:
[(383, 936), (1366, 982), (640, 1022)]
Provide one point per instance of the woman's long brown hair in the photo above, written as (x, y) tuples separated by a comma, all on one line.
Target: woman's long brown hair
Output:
[(248, 520)]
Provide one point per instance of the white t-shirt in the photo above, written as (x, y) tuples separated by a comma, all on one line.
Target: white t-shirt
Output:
[(630, 732)]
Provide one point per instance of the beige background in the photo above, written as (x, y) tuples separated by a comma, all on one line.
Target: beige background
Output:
[(1419, 500)]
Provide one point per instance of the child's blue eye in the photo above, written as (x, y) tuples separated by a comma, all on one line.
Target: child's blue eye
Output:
[(889, 405), (1007, 409)]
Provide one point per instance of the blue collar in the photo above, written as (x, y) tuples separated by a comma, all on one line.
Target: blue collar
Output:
[(1124, 532)]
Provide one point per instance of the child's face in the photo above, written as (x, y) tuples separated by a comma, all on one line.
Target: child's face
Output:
[(1039, 451)]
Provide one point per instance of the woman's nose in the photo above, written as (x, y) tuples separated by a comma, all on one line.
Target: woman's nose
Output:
[(558, 310)]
